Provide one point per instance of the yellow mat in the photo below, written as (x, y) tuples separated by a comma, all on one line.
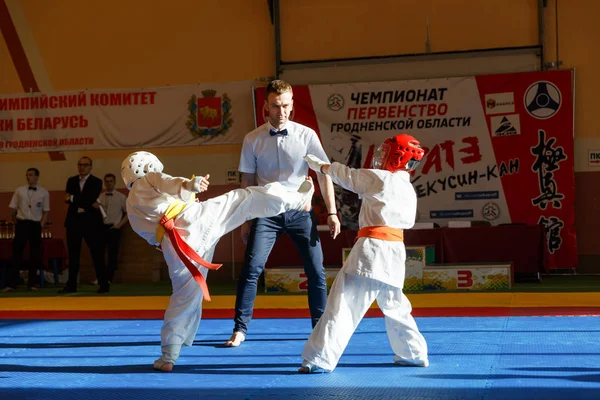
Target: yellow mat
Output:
[(430, 300)]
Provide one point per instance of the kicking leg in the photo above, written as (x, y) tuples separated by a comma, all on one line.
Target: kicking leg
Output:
[(238, 206)]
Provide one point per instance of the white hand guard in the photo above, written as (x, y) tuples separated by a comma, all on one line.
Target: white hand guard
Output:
[(193, 185), (314, 162)]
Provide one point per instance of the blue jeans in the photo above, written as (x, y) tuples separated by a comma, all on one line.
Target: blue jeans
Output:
[(302, 228)]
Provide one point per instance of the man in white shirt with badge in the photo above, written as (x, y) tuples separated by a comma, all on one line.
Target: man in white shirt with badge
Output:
[(30, 206), (114, 205), (274, 152)]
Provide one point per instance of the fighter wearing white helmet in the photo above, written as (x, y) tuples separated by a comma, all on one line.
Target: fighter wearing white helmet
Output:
[(375, 268), (162, 209), (137, 165)]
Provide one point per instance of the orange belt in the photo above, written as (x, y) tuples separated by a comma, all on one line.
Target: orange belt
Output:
[(382, 232), (185, 253)]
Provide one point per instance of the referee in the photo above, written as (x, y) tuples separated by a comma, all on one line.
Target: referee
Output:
[(30, 205)]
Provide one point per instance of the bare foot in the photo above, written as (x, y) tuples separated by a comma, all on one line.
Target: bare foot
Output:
[(308, 368), (236, 339), (304, 188), (162, 366)]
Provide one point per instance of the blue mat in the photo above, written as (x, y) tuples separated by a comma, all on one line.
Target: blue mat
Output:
[(471, 358)]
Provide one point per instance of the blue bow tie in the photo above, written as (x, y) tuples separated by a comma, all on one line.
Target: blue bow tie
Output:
[(274, 132)]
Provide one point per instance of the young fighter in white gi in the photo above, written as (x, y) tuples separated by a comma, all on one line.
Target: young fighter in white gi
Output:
[(162, 209), (375, 267)]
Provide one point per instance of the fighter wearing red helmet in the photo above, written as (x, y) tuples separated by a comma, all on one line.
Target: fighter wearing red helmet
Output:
[(375, 267), (398, 152)]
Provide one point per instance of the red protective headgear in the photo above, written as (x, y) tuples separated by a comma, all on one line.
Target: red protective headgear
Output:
[(398, 152)]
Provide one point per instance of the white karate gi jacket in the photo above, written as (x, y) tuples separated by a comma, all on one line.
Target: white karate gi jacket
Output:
[(388, 199)]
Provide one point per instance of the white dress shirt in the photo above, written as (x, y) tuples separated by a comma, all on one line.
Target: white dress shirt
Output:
[(280, 158), (30, 204), (114, 205), (82, 182)]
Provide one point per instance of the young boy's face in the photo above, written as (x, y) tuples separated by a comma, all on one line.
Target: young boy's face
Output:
[(109, 183)]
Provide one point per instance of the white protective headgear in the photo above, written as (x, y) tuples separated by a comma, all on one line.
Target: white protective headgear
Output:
[(138, 164)]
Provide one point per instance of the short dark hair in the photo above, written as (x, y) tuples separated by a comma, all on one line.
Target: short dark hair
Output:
[(87, 158), (110, 175), (278, 87), (35, 171)]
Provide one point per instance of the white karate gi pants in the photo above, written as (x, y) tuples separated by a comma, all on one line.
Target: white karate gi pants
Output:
[(349, 299)]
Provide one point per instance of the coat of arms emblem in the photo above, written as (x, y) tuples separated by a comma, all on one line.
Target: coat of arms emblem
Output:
[(209, 115)]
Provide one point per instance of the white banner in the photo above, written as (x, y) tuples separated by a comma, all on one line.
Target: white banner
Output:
[(204, 114)]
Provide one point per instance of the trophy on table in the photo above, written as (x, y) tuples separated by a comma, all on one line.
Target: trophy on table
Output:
[(46, 232), (10, 230)]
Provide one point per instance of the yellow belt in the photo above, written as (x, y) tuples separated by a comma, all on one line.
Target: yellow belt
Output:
[(172, 211)]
